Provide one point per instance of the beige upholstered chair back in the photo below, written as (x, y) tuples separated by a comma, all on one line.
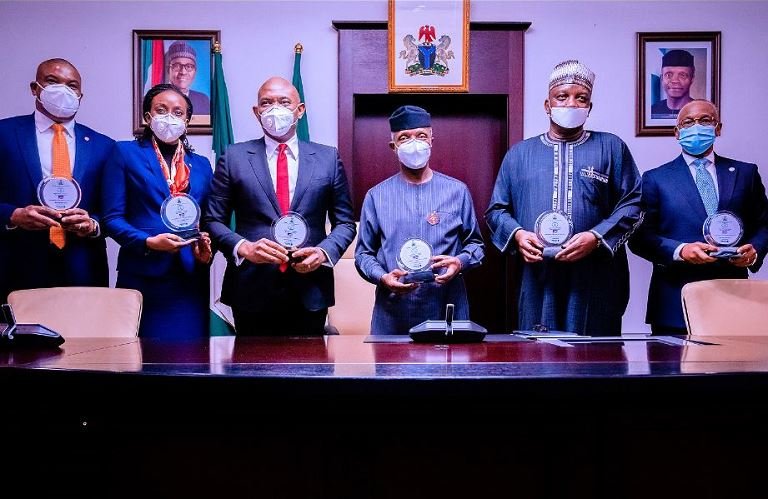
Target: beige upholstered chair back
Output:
[(354, 297), (726, 307), (80, 312)]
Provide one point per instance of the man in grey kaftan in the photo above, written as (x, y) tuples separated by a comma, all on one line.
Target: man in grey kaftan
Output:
[(420, 203), (592, 178)]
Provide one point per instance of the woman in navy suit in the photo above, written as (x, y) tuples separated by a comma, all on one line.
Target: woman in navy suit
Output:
[(170, 271)]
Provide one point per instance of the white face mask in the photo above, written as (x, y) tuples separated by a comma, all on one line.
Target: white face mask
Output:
[(59, 100), (414, 154), (277, 120), (569, 117), (167, 127)]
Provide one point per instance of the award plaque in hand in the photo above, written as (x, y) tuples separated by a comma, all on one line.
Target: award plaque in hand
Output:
[(415, 257), (553, 228), (181, 214), (59, 193), (724, 230), (290, 231)]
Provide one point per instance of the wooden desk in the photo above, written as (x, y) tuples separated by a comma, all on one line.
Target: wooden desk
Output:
[(339, 417)]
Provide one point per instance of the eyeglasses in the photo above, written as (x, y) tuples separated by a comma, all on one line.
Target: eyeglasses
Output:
[(704, 121), (187, 67)]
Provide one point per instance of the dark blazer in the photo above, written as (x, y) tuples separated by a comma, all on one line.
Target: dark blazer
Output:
[(24, 254), (242, 184), (675, 214), (134, 190)]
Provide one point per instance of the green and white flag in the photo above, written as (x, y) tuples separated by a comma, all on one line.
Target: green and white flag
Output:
[(221, 322)]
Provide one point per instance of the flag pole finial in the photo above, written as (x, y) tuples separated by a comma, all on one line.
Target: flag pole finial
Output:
[(217, 47), (299, 48)]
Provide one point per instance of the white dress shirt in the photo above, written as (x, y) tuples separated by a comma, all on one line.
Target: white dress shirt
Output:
[(712, 171), (292, 153), (44, 129)]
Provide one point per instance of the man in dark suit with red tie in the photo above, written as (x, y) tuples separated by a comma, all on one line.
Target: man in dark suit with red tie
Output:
[(678, 197), (41, 246), (270, 291)]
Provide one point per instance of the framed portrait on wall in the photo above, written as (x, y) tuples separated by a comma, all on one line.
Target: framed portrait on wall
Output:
[(428, 45), (183, 58), (673, 69)]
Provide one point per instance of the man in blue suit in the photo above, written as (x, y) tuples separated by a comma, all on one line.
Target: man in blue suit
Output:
[(261, 180), (34, 252), (678, 197)]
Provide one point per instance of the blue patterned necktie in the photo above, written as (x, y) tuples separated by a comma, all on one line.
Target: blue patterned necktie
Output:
[(706, 185)]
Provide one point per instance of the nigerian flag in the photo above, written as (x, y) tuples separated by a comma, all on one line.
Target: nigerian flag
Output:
[(221, 315), (302, 127)]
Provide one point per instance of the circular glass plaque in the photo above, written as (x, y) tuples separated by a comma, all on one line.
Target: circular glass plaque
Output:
[(290, 230), (180, 213), (415, 255), (59, 193), (723, 228), (553, 228)]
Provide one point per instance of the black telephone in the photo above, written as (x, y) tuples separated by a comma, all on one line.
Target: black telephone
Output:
[(25, 335)]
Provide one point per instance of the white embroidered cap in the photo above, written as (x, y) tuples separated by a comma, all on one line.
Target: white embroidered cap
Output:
[(571, 71)]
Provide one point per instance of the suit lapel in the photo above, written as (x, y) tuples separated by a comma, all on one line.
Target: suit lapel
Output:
[(257, 157), (726, 181), (304, 176), (82, 153), (683, 180), (27, 137), (153, 167)]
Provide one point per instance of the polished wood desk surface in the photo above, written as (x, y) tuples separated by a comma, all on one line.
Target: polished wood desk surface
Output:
[(356, 357)]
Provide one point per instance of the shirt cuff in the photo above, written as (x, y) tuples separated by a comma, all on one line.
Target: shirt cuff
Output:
[(97, 230), (510, 240), (676, 254), (238, 259), (327, 262), (601, 241)]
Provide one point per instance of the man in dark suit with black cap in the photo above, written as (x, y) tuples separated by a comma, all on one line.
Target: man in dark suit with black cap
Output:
[(677, 72)]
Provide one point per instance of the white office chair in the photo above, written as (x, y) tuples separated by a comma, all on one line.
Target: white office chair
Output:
[(354, 298), (80, 312), (720, 307)]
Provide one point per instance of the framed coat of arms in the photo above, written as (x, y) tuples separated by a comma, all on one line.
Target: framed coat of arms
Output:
[(428, 44)]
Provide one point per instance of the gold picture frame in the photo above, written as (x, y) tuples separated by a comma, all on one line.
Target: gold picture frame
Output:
[(428, 44)]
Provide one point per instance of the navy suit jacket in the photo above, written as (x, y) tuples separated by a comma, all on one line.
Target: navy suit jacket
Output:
[(675, 214), (134, 190), (242, 184), (24, 254)]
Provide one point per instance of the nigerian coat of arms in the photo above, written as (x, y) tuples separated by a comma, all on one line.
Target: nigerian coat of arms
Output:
[(426, 57)]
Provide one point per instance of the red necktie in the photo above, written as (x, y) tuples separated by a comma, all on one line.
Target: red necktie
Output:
[(282, 186)]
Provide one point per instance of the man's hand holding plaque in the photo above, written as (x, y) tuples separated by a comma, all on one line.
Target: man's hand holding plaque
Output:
[(553, 229), (60, 199), (723, 230), (291, 232), (415, 258)]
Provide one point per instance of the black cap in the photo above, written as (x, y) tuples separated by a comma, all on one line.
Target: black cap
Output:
[(677, 57), (408, 118)]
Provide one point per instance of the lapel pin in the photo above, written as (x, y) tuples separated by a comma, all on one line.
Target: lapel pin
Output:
[(731, 169), (86, 138)]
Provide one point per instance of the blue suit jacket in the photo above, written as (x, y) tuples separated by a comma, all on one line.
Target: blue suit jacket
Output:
[(134, 190), (242, 184), (24, 255), (675, 214)]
